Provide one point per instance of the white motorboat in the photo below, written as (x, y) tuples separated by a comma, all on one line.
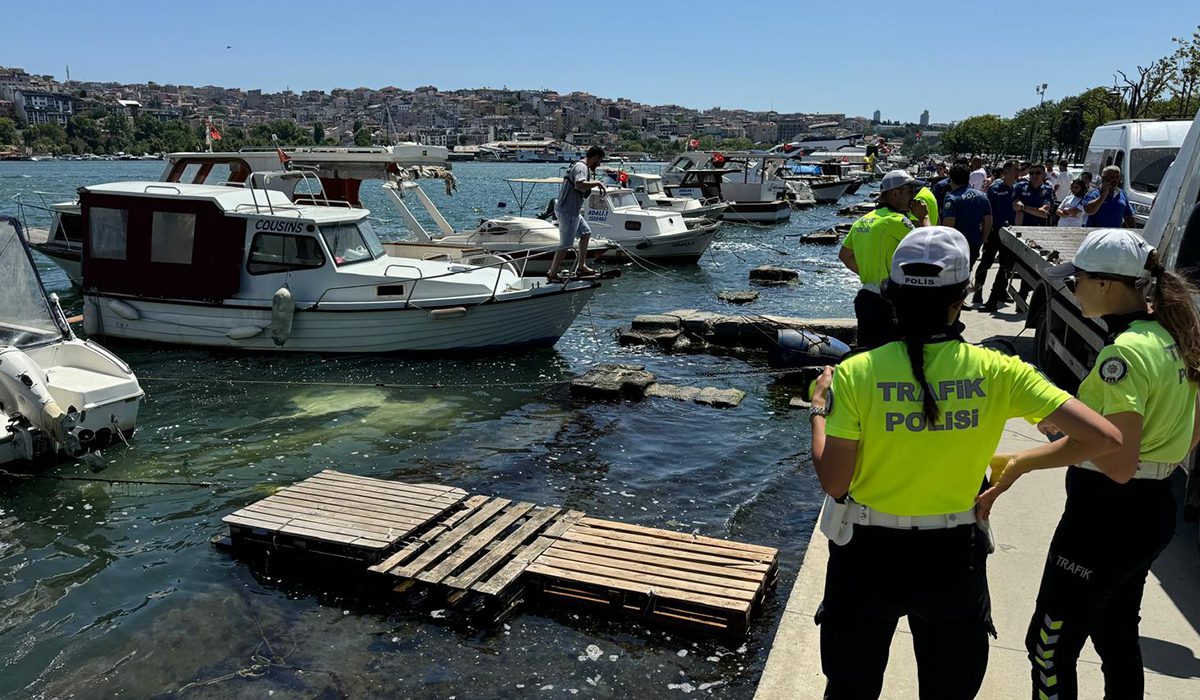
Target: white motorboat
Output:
[(616, 215), (59, 395), (248, 268), (747, 184), (650, 194)]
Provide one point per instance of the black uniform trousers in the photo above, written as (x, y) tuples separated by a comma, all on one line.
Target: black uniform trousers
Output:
[(992, 251), (938, 578), (1092, 585), (876, 320)]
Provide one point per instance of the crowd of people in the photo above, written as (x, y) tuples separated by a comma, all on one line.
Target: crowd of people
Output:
[(905, 430)]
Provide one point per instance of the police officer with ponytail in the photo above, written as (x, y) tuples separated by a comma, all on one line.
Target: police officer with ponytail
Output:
[(1120, 511), (902, 438)]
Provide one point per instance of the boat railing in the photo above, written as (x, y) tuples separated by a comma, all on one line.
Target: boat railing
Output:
[(42, 210)]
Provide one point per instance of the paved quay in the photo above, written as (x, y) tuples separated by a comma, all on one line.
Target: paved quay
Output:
[(1024, 521)]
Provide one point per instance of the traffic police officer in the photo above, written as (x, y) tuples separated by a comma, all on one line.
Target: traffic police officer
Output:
[(1120, 511), (867, 251), (910, 430)]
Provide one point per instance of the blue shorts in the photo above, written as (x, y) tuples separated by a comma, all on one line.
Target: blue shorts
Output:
[(570, 228)]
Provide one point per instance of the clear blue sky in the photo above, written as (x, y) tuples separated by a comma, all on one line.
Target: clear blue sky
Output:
[(953, 58)]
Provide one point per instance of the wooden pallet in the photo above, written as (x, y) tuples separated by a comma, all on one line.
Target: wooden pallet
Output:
[(342, 515), (483, 548), (668, 577)]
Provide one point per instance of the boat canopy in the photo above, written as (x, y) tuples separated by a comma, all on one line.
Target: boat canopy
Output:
[(26, 317)]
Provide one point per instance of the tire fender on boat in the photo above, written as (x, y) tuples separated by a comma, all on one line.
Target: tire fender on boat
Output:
[(91, 316), (123, 309), (283, 310)]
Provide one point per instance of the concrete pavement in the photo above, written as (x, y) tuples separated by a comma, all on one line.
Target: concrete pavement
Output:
[(1024, 520)]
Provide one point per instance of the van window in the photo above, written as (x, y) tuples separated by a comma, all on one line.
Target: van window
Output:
[(1147, 166), (106, 231), (171, 237), (275, 252)]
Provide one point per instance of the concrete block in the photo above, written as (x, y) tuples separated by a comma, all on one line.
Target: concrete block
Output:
[(769, 274), (744, 296), (612, 381), (653, 323)]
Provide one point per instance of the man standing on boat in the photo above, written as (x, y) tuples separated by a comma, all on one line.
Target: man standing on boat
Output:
[(568, 208), (868, 251)]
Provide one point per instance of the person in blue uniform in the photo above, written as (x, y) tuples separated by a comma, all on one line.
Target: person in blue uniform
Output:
[(1033, 199), (1120, 511), (1000, 198), (1108, 206), (966, 209)]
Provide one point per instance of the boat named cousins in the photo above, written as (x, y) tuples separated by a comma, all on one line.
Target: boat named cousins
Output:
[(249, 268)]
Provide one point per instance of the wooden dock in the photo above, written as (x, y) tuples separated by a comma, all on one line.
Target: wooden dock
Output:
[(496, 552)]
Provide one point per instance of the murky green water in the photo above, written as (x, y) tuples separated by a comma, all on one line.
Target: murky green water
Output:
[(115, 591)]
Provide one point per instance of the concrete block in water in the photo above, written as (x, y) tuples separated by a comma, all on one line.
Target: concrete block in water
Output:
[(612, 381), (656, 323), (708, 396), (769, 274), (738, 297)]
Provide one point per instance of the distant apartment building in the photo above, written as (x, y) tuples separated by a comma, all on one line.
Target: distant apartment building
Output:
[(789, 129), (763, 132), (876, 117), (925, 118), (40, 107)]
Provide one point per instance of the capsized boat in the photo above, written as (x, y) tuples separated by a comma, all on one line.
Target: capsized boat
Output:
[(249, 268), (59, 395)]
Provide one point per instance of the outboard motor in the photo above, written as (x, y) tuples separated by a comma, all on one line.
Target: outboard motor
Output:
[(23, 391), (804, 348)]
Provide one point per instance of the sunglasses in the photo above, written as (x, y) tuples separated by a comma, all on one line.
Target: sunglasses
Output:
[(1073, 281)]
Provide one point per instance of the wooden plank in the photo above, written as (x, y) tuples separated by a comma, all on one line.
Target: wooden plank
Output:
[(634, 587), (665, 562), (665, 587), (410, 550), (768, 552), (276, 528), (451, 538), (747, 589), (387, 504), (503, 548), (302, 530), (323, 531), (365, 505), (434, 489), (339, 490), (592, 537), (469, 506), (399, 488), (349, 512), (518, 564), (471, 546), (672, 543), (394, 531)]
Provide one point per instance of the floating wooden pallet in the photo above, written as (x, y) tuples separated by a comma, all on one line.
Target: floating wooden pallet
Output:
[(665, 576), (342, 515), (482, 548)]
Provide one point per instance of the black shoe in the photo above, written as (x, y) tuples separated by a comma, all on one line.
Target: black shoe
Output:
[(977, 300), (991, 307)]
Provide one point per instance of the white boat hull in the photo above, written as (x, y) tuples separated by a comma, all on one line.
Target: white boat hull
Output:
[(758, 212), (536, 320)]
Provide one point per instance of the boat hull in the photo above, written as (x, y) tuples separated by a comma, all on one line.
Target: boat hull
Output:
[(759, 212), (537, 320), (829, 192), (681, 248)]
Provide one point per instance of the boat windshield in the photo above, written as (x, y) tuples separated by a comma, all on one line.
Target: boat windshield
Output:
[(654, 187), (1147, 166), (25, 316), (621, 200), (351, 242)]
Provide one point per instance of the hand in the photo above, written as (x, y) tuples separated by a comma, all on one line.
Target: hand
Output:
[(919, 209), (1050, 430), (600, 186), (1019, 206), (1005, 472), (820, 394)]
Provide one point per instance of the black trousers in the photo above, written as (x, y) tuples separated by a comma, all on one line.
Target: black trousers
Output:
[(938, 579), (991, 252), (1092, 585), (876, 319)]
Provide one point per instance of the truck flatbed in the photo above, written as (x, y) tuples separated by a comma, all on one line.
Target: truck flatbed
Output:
[(1064, 239)]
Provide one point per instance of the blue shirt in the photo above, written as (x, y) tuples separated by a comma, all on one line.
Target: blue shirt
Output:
[(1000, 196), (1033, 198), (940, 188), (968, 207), (1112, 213)]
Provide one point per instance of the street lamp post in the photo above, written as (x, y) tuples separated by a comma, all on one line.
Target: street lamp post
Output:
[(1041, 91)]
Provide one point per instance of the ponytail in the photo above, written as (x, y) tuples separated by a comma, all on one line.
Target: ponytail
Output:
[(1175, 309), (921, 314)]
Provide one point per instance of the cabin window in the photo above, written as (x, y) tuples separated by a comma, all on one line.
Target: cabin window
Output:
[(622, 199), (106, 230), (633, 226), (350, 242), (171, 237), (273, 252)]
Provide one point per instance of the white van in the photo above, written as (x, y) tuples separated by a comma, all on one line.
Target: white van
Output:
[(1143, 149)]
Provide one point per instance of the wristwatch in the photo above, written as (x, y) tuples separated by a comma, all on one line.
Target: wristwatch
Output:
[(814, 410)]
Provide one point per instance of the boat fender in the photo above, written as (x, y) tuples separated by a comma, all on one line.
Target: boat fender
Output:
[(283, 310), (243, 332), (23, 390), (124, 309), (91, 316), (804, 348)]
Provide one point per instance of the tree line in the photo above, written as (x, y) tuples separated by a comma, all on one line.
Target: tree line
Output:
[(1167, 87)]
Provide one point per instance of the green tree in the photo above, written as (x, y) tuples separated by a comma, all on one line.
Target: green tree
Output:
[(85, 134), (118, 134), (318, 136), (9, 136), (982, 135), (362, 138)]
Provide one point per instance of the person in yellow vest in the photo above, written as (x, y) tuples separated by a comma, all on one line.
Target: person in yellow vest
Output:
[(867, 251), (1120, 511), (902, 436), (929, 199)]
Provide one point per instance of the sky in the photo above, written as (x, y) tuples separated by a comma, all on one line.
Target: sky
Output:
[(955, 59)]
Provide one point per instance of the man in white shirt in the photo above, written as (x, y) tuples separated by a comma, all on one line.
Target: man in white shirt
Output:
[(1062, 182), (978, 174)]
